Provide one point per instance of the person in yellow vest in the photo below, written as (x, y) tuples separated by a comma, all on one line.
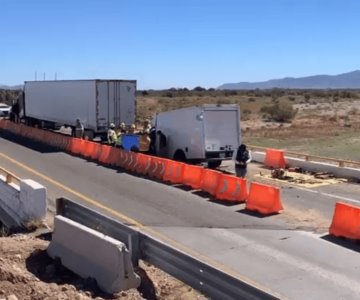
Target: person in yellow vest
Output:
[(120, 132), (111, 135)]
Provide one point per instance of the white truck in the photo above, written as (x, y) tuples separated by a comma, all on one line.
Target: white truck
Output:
[(207, 133), (96, 103)]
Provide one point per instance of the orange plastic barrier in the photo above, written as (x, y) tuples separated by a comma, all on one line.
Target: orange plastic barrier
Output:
[(147, 166), (192, 176), (143, 163), (210, 181), (231, 188), (264, 199), (88, 148), (275, 158), (104, 154), (76, 146), (115, 157), (95, 154), (131, 166), (346, 221), (173, 171), (157, 167)]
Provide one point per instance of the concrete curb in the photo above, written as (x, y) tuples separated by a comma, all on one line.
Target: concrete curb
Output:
[(91, 254)]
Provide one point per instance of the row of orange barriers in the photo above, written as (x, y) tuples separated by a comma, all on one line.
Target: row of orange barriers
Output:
[(264, 199)]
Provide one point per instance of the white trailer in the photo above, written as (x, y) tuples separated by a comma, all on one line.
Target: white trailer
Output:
[(96, 103), (207, 133)]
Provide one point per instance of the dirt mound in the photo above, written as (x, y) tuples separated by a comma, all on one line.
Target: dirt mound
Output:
[(27, 272)]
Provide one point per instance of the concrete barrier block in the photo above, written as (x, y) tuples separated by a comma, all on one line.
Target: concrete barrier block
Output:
[(90, 253), (33, 200), (258, 156)]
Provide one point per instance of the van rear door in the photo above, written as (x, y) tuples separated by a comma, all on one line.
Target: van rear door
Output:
[(222, 130)]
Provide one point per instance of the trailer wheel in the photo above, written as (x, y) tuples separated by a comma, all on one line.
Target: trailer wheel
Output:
[(179, 155), (214, 164)]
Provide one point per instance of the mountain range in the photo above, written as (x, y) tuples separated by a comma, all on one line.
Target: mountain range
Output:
[(349, 80)]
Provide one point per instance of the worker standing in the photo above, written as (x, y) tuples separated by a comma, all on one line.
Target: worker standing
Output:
[(242, 158), (111, 135), (147, 126), (120, 133), (79, 129), (132, 129)]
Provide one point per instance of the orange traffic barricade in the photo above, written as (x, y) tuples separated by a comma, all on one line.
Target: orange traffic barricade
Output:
[(116, 157), (104, 154), (131, 166), (157, 167), (264, 199), (143, 163), (192, 176), (210, 181), (275, 158), (173, 171), (346, 221), (231, 188), (95, 154)]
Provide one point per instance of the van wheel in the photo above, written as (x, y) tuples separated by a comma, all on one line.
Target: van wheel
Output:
[(214, 164), (179, 155)]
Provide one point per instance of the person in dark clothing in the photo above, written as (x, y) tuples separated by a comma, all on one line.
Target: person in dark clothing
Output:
[(14, 113), (242, 158)]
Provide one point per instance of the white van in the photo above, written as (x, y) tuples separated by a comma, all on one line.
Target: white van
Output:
[(207, 133)]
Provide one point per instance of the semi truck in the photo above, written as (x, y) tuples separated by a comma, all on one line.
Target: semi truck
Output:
[(96, 103), (207, 133)]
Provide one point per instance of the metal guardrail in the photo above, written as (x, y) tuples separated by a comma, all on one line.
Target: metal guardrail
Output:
[(309, 157), (9, 177), (213, 282)]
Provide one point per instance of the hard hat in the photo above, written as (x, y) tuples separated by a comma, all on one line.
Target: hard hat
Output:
[(122, 124), (112, 125), (132, 126)]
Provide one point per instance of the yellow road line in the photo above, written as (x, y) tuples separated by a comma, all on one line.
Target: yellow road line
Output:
[(138, 224)]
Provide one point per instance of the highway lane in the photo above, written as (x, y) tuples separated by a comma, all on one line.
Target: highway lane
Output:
[(269, 251)]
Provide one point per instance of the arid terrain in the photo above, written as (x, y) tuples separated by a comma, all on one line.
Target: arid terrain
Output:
[(27, 273), (325, 123)]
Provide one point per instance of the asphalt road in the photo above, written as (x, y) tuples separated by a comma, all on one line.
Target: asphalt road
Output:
[(289, 254)]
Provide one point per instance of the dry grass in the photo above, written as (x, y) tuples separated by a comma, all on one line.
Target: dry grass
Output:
[(327, 122)]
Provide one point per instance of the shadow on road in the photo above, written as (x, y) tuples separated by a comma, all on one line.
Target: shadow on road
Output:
[(349, 244), (255, 214), (28, 143)]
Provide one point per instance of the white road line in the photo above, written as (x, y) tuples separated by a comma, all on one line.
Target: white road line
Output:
[(329, 195)]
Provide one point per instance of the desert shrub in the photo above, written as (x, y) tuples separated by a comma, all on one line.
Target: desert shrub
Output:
[(291, 98), (279, 112), (169, 94), (199, 89), (251, 99), (230, 93), (307, 97)]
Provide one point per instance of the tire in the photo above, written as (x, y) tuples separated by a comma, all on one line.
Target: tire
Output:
[(214, 164), (180, 156)]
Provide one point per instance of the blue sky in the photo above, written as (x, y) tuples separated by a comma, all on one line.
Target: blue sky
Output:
[(173, 43)]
